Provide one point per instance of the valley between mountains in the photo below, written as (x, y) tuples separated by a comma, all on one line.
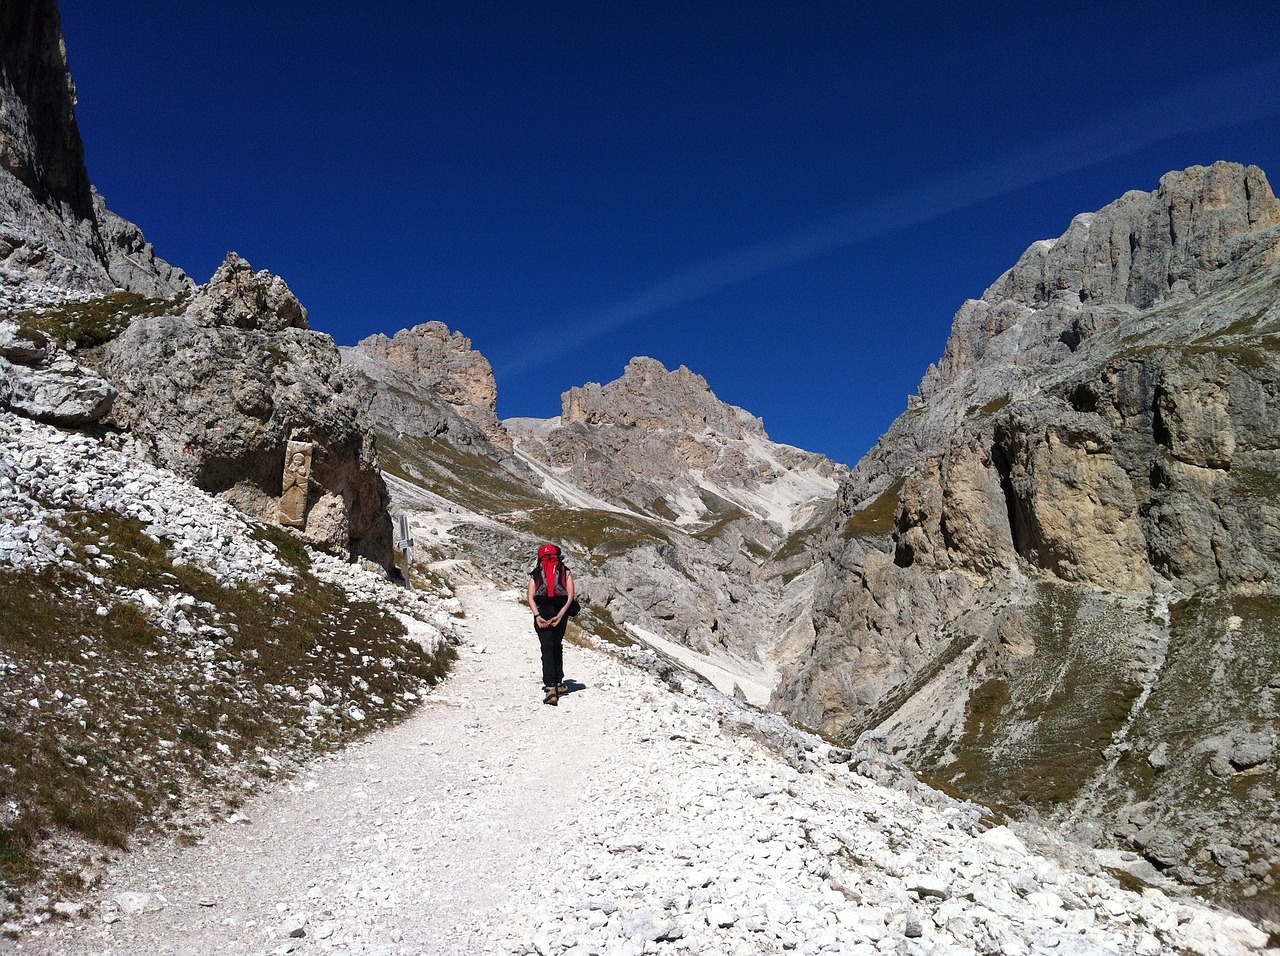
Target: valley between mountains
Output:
[(645, 814), (1010, 684)]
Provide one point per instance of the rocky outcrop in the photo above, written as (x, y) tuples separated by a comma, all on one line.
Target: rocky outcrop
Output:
[(218, 391), (216, 384), (56, 234), (430, 382), (1201, 228), (237, 297), (681, 505), (39, 381), (1082, 499)]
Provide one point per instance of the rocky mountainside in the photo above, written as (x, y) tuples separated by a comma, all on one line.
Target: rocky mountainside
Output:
[(219, 389), (1054, 581), (660, 443), (56, 234), (1052, 584), (224, 384), (682, 520)]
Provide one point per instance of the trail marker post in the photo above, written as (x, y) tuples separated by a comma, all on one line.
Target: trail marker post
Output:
[(405, 545)]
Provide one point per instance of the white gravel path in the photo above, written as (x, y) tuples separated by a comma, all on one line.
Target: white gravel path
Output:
[(628, 820), (399, 841)]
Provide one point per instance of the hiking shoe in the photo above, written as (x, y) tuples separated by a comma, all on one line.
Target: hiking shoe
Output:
[(549, 696), (562, 689)]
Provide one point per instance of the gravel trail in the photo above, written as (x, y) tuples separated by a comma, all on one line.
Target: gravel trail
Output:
[(644, 815), (407, 840)]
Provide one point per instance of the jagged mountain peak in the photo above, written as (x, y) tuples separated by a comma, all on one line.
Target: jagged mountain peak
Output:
[(650, 396), (1147, 247), (660, 442), (432, 383), (1201, 227)]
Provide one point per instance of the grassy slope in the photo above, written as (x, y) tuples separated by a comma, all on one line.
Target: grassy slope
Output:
[(111, 722)]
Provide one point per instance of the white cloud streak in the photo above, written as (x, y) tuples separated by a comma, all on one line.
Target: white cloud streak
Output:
[(1247, 94)]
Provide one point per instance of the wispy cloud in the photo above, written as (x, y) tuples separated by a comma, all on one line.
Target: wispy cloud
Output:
[(1241, 95)]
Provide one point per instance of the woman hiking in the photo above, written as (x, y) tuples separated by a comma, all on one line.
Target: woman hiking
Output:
[(549, 596)]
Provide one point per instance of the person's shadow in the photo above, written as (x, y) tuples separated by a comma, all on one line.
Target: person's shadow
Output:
[(572, 687)]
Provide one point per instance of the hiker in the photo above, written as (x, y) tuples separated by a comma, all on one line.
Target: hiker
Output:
[(550, 595)]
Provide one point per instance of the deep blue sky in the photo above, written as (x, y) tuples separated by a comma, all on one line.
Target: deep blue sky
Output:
[(791, 198)]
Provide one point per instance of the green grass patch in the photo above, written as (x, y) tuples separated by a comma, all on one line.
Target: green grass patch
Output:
[(78, 325), (471, 479), (1036, 733), (721, 512), (876, 519), (287, 548), (599, 622), (602, 533)]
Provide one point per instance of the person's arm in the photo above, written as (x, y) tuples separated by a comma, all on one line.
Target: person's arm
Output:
[(532, 606), (568, 590)]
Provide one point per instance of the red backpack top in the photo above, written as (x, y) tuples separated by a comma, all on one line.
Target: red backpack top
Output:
[(549, 572)]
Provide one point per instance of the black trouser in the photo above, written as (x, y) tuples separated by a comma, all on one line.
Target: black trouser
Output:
[(552, 640)]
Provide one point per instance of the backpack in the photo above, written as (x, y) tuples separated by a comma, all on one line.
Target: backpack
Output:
[(549, 572), (550, 567)]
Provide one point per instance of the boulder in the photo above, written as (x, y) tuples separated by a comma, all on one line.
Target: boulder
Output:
[(219, 391)]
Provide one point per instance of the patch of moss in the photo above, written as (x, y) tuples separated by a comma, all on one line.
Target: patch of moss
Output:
[(1245, 325), (661, 509), (990, 408), (1126, 879), (287, 548)]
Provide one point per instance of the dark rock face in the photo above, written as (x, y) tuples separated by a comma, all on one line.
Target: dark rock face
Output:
[(56, 234), (218, 391), (39, 141), (1085, 538)]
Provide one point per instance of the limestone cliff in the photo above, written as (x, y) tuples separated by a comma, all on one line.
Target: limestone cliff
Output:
[(1051, 566), (216, 392), (56, 234), (429, 382)]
